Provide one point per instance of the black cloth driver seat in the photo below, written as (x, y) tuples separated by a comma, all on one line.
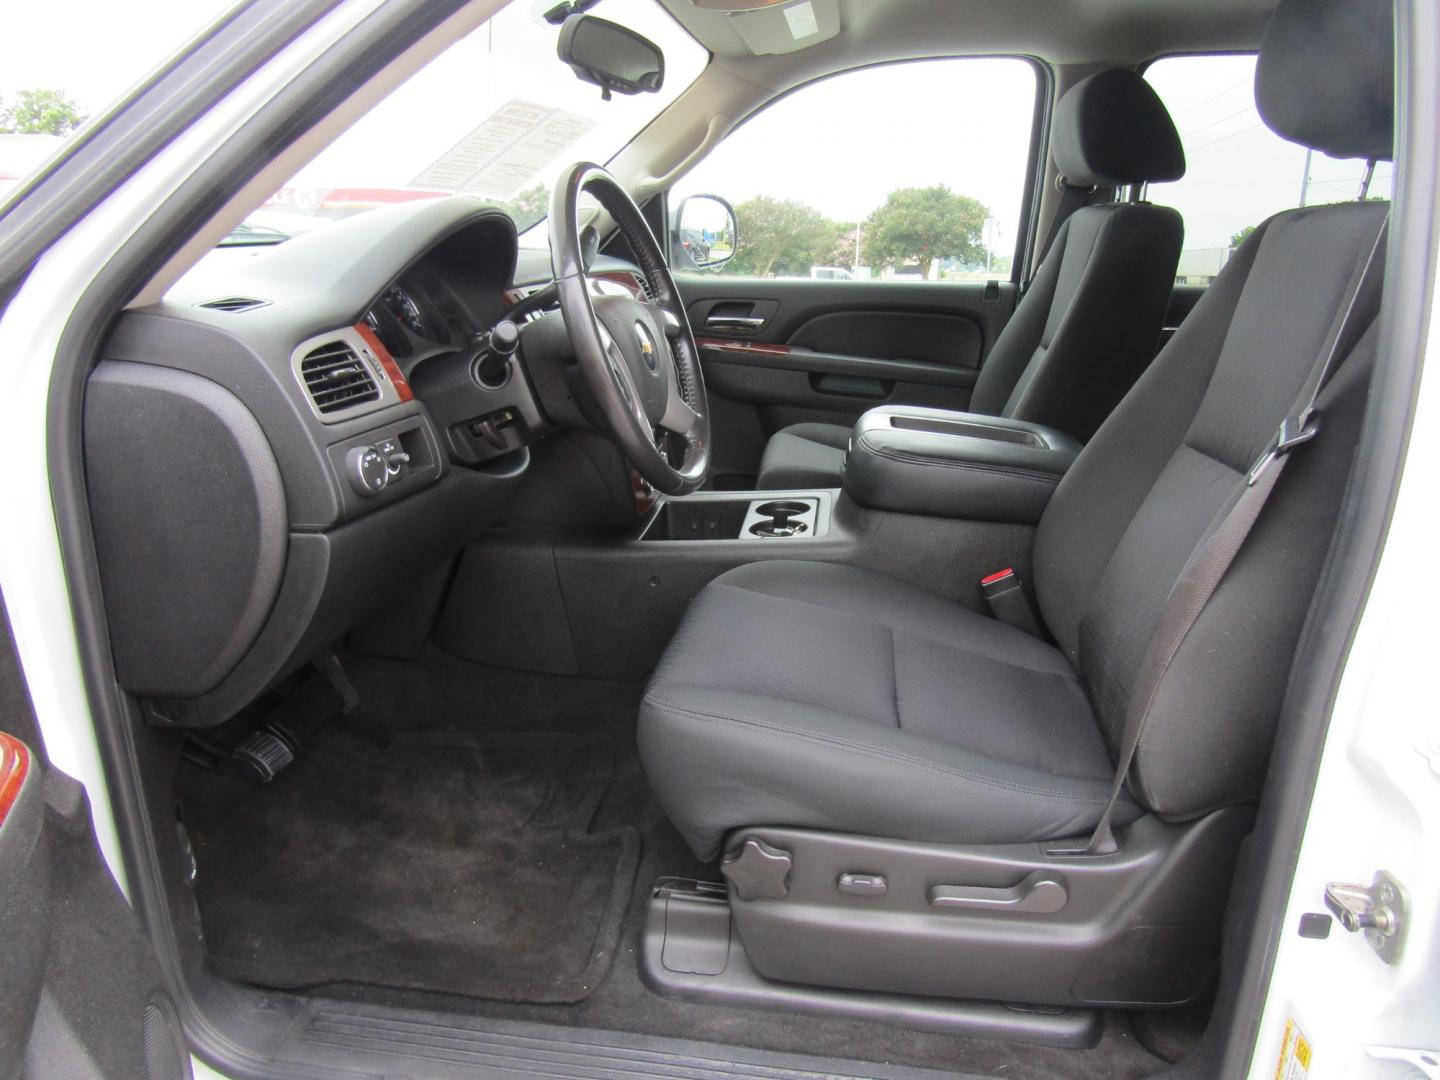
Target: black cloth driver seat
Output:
[(824, 696)]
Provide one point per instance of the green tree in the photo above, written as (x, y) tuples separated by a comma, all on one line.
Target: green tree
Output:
[(40, 112), (527, 207), (925, 224), (781, 237), (1239, 237)]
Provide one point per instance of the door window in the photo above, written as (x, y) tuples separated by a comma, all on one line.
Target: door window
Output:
[(905, 171), (1238, 172)]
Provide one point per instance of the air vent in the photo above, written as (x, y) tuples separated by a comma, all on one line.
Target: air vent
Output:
[(234, 303), (337, 378)]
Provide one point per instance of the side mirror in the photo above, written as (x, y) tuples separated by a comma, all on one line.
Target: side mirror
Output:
[(706, 233), (611, 56)]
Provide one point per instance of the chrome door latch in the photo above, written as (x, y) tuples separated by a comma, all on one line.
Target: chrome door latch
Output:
[(1380, 910)]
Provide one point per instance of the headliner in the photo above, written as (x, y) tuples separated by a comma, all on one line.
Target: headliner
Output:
[(1062, 32)]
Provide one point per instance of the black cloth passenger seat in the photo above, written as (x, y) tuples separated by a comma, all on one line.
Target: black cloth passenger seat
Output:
[(816, 695), (1089, 323)]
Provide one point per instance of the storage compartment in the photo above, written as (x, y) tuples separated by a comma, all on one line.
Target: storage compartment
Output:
[(682, 519), (955, 464)]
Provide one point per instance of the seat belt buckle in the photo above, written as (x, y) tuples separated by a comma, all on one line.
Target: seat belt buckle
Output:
[(1005, 595), (1294, 430)]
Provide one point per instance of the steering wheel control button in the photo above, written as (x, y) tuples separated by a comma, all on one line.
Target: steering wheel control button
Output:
[(367, 470), (758, 871)]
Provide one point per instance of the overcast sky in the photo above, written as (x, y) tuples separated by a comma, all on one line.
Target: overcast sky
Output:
[(92, 50), (840, 145)]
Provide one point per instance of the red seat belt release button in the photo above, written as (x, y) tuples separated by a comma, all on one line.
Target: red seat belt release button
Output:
[(1005, 594)]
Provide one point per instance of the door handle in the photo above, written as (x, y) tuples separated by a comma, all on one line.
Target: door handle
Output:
[(1040, 893), (749, 323)]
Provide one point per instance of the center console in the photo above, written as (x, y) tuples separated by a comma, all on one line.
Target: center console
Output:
[(939, 499), (952, 464)]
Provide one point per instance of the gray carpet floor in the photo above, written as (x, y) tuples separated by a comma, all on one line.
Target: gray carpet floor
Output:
[(483, 842)]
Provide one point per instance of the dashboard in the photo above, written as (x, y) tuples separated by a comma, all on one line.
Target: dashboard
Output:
[(298, 433)]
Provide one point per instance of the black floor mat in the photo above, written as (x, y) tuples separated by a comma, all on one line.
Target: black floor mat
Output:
[(438, 860), (425, 703)]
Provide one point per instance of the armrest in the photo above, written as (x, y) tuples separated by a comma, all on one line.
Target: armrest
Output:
[(955, 464)]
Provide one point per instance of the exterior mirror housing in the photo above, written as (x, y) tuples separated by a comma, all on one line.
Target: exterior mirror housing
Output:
[(611, 56), (706, 233)]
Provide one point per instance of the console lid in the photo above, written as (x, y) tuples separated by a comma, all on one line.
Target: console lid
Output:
[(955, 464)]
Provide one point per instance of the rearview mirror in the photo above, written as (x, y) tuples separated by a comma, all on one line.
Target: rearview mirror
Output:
[(706, 233), (611, 56)]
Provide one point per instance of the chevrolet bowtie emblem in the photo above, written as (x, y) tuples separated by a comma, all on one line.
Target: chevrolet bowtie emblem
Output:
[(647, 346)]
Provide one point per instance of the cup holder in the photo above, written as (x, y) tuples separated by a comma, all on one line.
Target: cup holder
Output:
[(784, 508), (779, 518), (778, 527)]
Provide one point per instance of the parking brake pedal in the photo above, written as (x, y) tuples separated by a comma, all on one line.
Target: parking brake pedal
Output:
[(261, 755), (273, 746)]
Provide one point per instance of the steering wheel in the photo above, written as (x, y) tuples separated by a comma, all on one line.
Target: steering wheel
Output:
[(637, 354)]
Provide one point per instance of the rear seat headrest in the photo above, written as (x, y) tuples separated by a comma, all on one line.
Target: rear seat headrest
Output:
[(1326, 76), (1111, 129)]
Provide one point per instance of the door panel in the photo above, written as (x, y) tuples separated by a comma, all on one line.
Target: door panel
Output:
[(782, 351), (955, 340), (80, 991)]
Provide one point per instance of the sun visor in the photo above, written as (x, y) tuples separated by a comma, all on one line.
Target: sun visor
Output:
[(770, 27)]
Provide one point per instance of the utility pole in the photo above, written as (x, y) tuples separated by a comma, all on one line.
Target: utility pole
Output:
[(1305, 180), (857, 247)]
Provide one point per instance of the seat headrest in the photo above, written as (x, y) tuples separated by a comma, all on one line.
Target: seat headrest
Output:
[(1111, 129), (1326, 76)]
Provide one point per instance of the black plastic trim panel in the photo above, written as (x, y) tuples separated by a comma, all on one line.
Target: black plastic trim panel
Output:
[(378, 1040)]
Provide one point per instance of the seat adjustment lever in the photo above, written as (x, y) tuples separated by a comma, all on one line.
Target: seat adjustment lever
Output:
[(1040, 893), (758, 871)]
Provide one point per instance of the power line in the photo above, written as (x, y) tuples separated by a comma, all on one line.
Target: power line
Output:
[(1216, 97), (1222, 138), (1215, 123)]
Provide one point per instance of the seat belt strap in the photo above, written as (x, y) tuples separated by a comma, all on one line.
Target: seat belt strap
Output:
[(1221, 543)]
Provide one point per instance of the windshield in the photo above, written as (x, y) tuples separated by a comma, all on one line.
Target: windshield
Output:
[(497, 115)]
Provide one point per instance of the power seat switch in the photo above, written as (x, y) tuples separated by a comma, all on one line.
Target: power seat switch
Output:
[(1381, 911)]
